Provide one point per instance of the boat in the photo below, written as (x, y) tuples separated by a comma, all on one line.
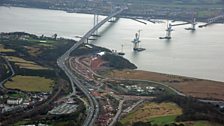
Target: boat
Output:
[(193, 29), (165, 37), (95, 35), (121, 53), (139, 49)]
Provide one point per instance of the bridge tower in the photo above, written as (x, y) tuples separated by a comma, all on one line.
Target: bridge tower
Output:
[(194, 24), (168, 31), (113, 19), (96, 16), (95, 22), (136, 40)]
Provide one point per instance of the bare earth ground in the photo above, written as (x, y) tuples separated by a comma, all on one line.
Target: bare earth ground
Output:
[(190, 86)]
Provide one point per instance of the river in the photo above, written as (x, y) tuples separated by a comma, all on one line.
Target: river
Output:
[(195, 54)]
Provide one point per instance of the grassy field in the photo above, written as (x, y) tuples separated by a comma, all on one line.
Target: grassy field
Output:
[(24, 63), (33, 51), (40, 41), (30, 83), (16, 95), (3, 49), (162, 120), (30, 66), (191, 86), (163, 112), (17, 59), (200, 123)]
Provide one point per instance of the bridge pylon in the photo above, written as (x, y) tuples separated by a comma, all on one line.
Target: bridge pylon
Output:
[(95, 22), (113, 19)]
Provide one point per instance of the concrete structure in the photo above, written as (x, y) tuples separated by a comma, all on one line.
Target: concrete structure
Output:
[(93, 110), (65, 108), (14, 101)]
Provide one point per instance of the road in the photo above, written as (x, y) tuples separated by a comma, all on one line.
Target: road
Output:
[(93, 109), (133, 106), (118, 113), (13, 73), (148, 81)]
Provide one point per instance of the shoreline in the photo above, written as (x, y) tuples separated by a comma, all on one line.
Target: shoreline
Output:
[(198, 88), (186, 86), (190, 86), (138, 69), (103, 14)]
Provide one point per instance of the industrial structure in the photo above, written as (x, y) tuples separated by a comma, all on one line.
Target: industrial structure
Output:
[(193, 24), (136, 42), (93, 109), (168, 31), (169, 28), (212, 20), (95, 22)]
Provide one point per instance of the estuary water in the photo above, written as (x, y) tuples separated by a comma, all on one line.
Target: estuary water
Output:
[(195, 54)]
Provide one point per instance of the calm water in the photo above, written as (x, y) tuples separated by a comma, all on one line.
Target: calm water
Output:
[(195, 54)]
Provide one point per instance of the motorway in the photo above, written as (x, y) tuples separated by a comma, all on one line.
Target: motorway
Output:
[(93, 110)]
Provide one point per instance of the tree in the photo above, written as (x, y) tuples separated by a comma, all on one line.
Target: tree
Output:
[(55, 36), (140, 123)]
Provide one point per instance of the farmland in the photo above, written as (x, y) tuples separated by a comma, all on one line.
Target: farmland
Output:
[(151, 112), (24, 63), (3, 49), (30, 83)]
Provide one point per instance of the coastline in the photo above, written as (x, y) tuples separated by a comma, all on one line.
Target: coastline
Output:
[(190, 86), (194, 87), (186, 84), (103, 14)]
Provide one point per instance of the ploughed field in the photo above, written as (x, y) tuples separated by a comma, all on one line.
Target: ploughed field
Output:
[(25, 63)]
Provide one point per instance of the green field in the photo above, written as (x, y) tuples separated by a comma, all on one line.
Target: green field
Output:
[(160, 114), (16, 95), (42, 41), (150, 111), (201, 123), (162, 120), (30, 83)]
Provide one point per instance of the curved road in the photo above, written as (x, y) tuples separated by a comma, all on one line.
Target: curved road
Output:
[(13, 73), (93, 110)]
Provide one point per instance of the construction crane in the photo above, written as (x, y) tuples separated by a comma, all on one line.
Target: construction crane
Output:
[(193, 24), (168, 31), (136, 42), (169, 28)]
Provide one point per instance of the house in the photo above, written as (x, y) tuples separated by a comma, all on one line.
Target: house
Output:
[(14, 101)]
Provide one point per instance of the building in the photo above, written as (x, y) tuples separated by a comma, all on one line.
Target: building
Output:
[(14, 101)]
